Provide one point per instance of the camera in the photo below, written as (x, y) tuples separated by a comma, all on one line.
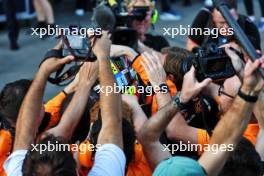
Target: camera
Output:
[(123, 34), (78, 46), (210, 62), (75, 45)]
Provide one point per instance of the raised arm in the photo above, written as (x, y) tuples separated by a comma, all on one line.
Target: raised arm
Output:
[(152, 129), (157, 77), (232, 125), (110, 101), (139, 117), (259, 113), (71, 117), (28, 118)]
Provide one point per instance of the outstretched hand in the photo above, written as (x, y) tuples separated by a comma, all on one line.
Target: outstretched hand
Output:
[(154, 69)]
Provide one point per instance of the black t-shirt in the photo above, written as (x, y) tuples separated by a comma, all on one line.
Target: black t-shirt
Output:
[(156, 42), (203, 20)]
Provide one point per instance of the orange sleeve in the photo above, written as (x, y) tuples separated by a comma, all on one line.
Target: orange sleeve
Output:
[(251, 133), (140, 69), (173, 91), (138, 166), (203, 138), (53, 107), (5, 149)]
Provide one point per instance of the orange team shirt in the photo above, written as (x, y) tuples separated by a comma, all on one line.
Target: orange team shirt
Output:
[(5, 148), (144, 77), (138, 166), (250, 133), (53, 107)]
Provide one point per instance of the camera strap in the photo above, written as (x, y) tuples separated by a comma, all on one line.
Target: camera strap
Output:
[(60, 77), (205, 110)]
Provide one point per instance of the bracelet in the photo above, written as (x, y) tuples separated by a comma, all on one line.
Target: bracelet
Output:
[(177, 102), (247, 98)]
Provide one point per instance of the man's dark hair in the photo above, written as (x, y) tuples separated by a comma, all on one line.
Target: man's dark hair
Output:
[(82, 129), (129, 136), (56, 162), (173, 63), (11, 98), (244, 161)]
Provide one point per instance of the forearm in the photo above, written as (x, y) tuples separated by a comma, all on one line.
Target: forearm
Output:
[(233, 123), (163, 99), (228, 131), (139, 118), (74, 112), (110, 102), (259, 110), (29, 112), (259, 113), (153, 128), (259, 145), (184, 132)]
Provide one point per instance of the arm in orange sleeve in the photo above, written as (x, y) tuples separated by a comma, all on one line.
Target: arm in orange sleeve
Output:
[(203, 139), (53, 107), (250, 133)]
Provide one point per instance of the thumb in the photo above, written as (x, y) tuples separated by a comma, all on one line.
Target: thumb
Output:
[(251, 67), (191, 71), (205, 83), (67, 59)]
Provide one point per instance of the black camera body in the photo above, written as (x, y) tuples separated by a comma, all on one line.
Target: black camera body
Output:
[(77, 45), (210, 62), (123, 34)]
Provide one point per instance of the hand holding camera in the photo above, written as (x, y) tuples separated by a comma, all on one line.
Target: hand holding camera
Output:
[(102, 45), (191, 87), (53, 64), (253, 83)]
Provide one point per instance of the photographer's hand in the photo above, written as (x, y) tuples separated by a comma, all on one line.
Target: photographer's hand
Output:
[(30, 109), (53, 64), (119, 50), (72, 115), (102, 45), (234, 122), (237, 62), (191, 87), (253, 82)]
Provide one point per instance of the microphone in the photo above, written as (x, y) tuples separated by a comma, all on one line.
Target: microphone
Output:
[(104, 18)]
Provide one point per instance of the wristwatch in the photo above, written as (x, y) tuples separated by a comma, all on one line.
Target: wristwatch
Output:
[(177, 102)]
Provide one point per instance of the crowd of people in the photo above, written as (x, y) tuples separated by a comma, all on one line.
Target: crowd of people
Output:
[(184, 125), (45, 14)]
